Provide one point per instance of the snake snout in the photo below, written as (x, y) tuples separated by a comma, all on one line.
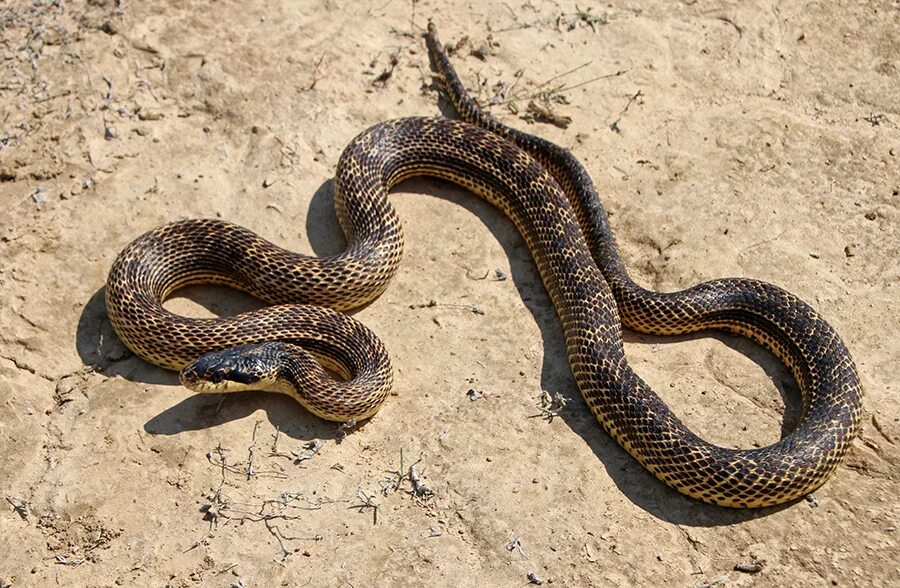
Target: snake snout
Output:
[(188, 376), (195, 377)]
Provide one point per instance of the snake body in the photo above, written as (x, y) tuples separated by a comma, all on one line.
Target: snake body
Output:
[(553, 203)]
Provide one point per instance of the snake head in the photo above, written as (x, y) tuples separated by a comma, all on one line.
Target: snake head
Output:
[(244, 367)]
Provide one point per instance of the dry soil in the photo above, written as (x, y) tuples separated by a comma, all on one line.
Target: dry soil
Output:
[(728, 138)]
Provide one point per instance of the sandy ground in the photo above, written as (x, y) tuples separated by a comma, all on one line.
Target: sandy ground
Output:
[(729, 138)]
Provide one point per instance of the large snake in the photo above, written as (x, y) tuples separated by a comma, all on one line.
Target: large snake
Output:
[(291, 346)]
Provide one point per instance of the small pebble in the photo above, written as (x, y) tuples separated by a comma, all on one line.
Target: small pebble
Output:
[(150, 114), (482, 52), (749, 568), (850, 250), (814, 255)]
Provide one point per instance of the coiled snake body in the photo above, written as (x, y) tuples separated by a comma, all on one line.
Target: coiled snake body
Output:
[(546, 192)]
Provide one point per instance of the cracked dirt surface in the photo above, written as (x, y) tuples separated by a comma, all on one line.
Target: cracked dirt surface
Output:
[(728, 138)]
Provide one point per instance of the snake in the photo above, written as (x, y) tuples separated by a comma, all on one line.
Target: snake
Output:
[(305, 345)]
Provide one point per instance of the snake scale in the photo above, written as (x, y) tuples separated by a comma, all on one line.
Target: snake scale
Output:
[(290, 346)]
